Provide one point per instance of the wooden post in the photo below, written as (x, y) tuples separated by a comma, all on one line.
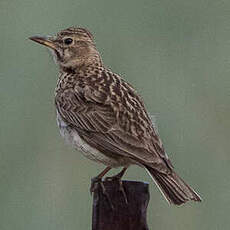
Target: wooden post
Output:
[(123, 216)]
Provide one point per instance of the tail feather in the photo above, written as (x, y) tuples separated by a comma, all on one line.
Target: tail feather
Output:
[(174, 189)]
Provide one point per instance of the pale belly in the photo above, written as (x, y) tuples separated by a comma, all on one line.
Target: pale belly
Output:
[(71, 137)]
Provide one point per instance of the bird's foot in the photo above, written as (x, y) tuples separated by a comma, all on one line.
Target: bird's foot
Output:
[(113, 178), (121, 186), (95, 182)]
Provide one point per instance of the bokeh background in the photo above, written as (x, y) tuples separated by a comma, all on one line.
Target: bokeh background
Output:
[(176, 53)]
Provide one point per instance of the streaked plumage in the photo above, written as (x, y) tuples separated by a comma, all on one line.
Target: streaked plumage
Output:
[(103, 116)]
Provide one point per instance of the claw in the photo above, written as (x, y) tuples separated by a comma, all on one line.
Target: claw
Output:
[(95, 182), (121, 188), (118, 178), (97, 179), (106, 194)]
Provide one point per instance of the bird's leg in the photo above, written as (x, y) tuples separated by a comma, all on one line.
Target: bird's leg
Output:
[(95, 181), (98, 179), (118, 177)]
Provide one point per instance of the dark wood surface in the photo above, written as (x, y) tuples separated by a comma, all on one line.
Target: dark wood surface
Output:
[(121, 216)]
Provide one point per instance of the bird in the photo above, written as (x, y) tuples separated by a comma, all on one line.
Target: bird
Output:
[(103, 116)]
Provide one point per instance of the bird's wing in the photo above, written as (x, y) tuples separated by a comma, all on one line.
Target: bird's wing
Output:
[(114, 120)]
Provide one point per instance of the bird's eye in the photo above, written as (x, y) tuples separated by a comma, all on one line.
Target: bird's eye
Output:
[(68, 41)]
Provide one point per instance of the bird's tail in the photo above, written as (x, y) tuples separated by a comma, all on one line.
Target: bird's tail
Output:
[(174, 189)]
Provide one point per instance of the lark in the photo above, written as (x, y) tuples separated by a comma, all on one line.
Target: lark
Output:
[(102, 115)]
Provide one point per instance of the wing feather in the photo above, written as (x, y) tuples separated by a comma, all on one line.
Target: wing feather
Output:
[(116, 129)]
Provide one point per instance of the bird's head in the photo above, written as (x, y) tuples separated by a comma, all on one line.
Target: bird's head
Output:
[(72, 48)]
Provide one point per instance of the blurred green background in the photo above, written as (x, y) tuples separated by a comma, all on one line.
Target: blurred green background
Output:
[(176, 53)]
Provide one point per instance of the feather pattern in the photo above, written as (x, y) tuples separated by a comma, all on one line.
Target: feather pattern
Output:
[(108, 114)]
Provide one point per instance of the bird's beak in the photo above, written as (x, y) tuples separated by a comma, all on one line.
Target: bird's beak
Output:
[(46, 41)]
